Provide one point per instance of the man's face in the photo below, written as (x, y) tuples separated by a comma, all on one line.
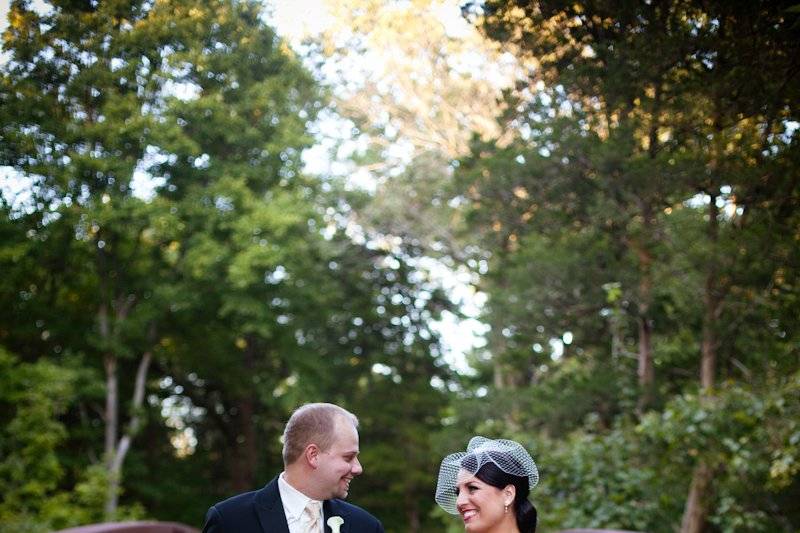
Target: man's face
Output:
[(339, 464)]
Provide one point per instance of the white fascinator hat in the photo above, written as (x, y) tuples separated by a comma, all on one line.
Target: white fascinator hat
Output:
[(507, 455)]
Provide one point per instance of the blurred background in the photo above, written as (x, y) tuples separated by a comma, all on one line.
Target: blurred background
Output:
[(572, 224)]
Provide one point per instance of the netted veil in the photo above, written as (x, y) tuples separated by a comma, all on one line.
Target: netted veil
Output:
[(507, 455)]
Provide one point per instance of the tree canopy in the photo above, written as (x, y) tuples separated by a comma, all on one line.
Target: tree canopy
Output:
[(619, 180)]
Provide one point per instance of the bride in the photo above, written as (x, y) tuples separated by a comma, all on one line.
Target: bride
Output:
[(488, 486)]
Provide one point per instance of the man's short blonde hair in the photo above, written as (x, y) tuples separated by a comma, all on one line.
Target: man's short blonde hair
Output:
[(312, 423)]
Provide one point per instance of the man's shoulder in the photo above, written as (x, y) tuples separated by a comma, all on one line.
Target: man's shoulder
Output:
[(244, 498), (241, 513), (354, 511), (247, 498)]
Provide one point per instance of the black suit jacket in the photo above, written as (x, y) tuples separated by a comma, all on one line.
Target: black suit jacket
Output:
[(261, 511)]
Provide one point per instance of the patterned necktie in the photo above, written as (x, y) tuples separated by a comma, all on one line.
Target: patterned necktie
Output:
[(311, 517)]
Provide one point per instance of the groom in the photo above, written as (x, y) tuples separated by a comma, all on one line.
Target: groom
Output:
[(320, 457)]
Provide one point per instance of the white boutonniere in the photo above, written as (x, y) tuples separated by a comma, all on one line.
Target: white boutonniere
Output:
[(335, 522)]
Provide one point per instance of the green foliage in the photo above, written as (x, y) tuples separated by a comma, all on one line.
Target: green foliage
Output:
[(83, 504), (749, 436), (222, 271), (605, 479), (587, 223), (635, 210), (634, 475), (34, 398), (33, 395)]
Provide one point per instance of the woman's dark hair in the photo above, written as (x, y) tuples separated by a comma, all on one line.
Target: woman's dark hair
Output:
[(524, 510)]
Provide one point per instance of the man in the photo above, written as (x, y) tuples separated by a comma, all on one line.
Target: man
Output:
[(320, 457)]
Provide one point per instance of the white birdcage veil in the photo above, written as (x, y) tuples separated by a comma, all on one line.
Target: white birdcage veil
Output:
[(507, 455)]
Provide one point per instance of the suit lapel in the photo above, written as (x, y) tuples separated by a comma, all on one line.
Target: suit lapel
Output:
[(272, 518), (269, 509), (332, 508)]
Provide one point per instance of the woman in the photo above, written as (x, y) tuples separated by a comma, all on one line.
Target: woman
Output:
[(488, 486)]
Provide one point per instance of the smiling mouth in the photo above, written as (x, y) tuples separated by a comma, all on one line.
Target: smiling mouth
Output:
[(469, 515)]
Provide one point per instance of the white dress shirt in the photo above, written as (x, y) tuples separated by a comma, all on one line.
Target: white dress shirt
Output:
[(294, 502)]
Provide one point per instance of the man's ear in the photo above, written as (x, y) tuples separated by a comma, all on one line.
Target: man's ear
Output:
[(311, 455)]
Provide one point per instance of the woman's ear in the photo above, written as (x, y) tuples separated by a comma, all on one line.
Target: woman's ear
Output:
[(509, 493)]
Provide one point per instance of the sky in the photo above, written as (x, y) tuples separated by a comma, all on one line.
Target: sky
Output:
[(295, 19)]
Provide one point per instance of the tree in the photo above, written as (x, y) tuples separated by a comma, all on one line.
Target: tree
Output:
[(76, 117), (34, 396), (412, 83), (90, 101), (681, 122)]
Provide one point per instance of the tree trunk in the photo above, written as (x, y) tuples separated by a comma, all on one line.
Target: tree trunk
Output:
[(645, 371), (413, 513), (112, 400), (110, 415), (115, 452), (124, 445), (696, 510), (110, 367), (245, 454), (711, 303), (497, 373), (245, 457), (697, 506)]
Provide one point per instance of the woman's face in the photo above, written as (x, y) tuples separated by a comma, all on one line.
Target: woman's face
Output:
[(482, 506)]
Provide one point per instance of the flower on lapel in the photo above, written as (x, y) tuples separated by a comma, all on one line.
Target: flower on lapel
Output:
[(335, 522)]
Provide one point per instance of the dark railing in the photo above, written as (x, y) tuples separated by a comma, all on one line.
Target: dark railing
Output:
[(596, 531), (133, 527)]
